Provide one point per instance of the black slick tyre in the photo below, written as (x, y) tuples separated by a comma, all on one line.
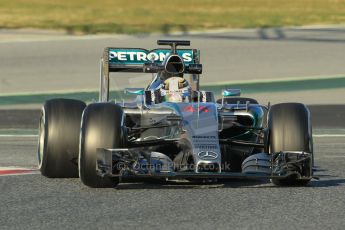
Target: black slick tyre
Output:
[(290, 130), (58, 143), (102, 127)]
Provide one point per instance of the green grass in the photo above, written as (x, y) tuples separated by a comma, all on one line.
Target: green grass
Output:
[(138, 16)]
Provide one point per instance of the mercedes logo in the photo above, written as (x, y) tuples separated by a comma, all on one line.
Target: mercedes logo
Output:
[(208, 155)]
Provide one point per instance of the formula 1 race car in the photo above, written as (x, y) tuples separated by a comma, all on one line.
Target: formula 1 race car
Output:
[(172, 130)]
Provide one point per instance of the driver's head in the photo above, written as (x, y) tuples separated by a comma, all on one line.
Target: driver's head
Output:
[(176, 89)]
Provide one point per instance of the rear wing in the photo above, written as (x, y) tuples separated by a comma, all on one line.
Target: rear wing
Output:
[(133, 60)]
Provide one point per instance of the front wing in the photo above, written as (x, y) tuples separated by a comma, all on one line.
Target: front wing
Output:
[(138, 163)]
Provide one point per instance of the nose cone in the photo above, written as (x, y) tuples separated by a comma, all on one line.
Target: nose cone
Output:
[(174, 64)]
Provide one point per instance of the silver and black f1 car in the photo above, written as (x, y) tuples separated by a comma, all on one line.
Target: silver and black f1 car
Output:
[(172, 130)]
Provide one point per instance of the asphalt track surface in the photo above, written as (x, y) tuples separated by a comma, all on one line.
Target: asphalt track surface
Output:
[(36, 202)]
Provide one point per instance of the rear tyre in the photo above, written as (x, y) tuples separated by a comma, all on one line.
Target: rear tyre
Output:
[(102, 127), (290, 130), (235, 100), (58, 143)]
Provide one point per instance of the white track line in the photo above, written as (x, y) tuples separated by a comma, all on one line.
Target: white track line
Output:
[(18, 135), (329, 135), (329, 157), (21, 174), (15, 168)]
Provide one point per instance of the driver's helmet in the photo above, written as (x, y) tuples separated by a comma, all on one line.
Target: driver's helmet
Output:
[(176, 89)]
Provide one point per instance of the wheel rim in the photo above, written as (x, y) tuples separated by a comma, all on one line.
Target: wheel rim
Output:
[(41, 141)]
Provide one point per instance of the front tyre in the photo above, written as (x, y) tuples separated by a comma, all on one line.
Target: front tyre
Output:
[(102, 127), (290, 130)]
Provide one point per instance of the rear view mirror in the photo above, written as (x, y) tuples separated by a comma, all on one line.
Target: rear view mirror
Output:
[(231, 92), (134, 91)]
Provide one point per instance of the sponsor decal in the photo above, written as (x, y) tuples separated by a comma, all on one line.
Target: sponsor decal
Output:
[(191, 109), (204, 137), (140, 56), (205, 143), (206, 147), (208, 155)]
